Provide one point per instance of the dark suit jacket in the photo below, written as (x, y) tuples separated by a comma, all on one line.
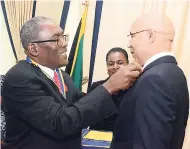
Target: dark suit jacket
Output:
[(154, 111), (108, 123), (38, 116)]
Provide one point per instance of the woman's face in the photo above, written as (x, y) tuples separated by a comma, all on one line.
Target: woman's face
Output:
[(114, 61)]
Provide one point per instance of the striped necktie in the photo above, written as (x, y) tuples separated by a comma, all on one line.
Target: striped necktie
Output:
[(57, 81)]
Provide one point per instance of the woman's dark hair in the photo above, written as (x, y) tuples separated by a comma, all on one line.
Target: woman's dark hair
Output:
[(117, 49)]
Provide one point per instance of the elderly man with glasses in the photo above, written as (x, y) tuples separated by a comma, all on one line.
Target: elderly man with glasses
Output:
[(154, 112), (43, 109)]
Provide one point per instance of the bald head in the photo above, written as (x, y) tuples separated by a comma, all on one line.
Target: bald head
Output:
[(151, 34), (158, 22)]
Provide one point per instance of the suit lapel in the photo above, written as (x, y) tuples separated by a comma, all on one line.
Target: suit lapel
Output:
[(70, 93), (165, 59), (50, 84)]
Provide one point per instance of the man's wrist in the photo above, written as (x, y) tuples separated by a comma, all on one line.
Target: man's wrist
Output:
[(108, 87)]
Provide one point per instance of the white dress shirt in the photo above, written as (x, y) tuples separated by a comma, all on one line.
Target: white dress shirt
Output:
[(155, 57), (47, 71)]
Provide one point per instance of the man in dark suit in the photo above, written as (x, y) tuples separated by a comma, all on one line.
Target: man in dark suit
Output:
[(154, 111), (41, 105), (115, 58)]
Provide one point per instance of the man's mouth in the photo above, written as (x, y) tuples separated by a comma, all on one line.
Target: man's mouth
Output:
[(63, 54)]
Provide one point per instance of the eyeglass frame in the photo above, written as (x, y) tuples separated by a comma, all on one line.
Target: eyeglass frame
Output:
[(53, 40), (131, 34)]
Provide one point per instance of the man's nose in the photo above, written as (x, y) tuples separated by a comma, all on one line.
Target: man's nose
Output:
[(65, 44), (129, 41)]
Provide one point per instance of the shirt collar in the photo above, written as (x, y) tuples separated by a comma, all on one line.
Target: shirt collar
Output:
[(155, 57), (47, 70)]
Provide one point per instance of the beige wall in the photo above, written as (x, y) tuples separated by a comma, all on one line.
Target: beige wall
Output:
[(7, 59)]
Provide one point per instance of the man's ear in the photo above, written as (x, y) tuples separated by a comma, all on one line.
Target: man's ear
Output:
[(152, 36), (33, 49)]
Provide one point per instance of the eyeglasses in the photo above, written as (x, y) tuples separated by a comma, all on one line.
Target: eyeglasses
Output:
[(131, 35), (61, 39)]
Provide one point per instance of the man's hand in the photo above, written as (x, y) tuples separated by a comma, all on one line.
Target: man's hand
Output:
[(123, 78)]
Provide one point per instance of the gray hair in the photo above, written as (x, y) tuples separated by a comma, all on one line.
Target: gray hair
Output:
[(31, 29)]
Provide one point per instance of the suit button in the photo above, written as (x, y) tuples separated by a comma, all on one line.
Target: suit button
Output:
[(107, 114)]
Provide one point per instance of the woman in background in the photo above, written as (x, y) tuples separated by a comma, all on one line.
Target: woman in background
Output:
[(115, 58)]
